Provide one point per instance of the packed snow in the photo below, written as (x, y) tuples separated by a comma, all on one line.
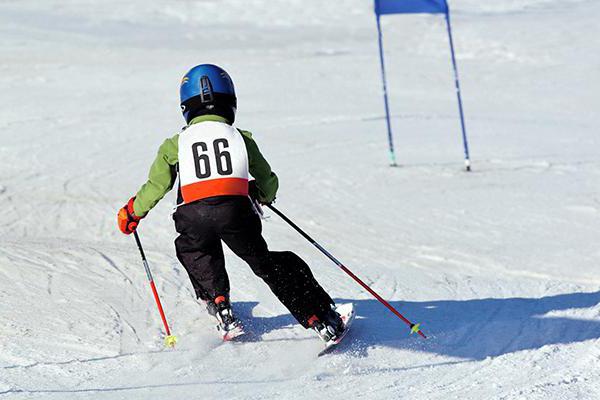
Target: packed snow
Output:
[(500, 265)]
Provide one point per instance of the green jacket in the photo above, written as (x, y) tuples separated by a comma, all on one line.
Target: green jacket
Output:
[(163, 171)]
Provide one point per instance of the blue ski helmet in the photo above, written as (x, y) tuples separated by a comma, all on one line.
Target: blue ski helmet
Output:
[(207, 89)]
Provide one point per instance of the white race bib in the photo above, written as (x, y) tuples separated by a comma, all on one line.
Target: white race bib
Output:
[(213, 161)]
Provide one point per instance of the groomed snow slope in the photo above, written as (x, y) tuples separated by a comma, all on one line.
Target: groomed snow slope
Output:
[(500, 265)]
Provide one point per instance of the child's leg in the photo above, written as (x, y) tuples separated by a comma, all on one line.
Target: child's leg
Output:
[(205, 265), (304, 296), (286, 274), (200, 251)]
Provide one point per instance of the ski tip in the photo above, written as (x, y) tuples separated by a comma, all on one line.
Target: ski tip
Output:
[(171, 341), (233, 335)]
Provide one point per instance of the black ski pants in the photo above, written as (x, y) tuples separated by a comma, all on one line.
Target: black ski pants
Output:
[(202, 226)]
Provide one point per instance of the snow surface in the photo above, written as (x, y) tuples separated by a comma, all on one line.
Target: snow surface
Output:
[(500, 265)]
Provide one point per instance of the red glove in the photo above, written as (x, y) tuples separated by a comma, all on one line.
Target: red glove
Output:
[(127, 219)]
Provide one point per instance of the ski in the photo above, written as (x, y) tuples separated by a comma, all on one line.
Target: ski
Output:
[(347, 314), (233, 333)]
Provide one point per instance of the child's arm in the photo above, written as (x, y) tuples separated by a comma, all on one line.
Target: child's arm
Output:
[(161, 177), (266, 180)]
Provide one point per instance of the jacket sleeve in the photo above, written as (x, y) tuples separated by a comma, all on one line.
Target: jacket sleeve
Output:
[(266, 180), (161, 177)]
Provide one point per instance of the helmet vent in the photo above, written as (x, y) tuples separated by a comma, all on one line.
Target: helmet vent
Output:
[(206, 90)]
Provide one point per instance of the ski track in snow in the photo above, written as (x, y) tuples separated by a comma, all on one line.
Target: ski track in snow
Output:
[(499, 265)]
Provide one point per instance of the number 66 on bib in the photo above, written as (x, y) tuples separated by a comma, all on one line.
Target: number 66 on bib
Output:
[(213, 161)]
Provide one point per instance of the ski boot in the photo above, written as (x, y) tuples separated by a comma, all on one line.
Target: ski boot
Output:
[(227, 325), (329, 327)]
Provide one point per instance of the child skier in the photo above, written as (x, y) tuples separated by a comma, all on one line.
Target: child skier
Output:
[(213, 161)]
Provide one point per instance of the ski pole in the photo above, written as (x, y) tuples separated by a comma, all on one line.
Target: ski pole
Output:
[(414, 328), (170, 340)]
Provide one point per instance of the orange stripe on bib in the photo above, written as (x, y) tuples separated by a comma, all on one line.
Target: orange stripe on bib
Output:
[(214, 187)]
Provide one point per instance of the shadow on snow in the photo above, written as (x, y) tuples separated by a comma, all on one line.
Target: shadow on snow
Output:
[(478, 328), (468, 329)]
